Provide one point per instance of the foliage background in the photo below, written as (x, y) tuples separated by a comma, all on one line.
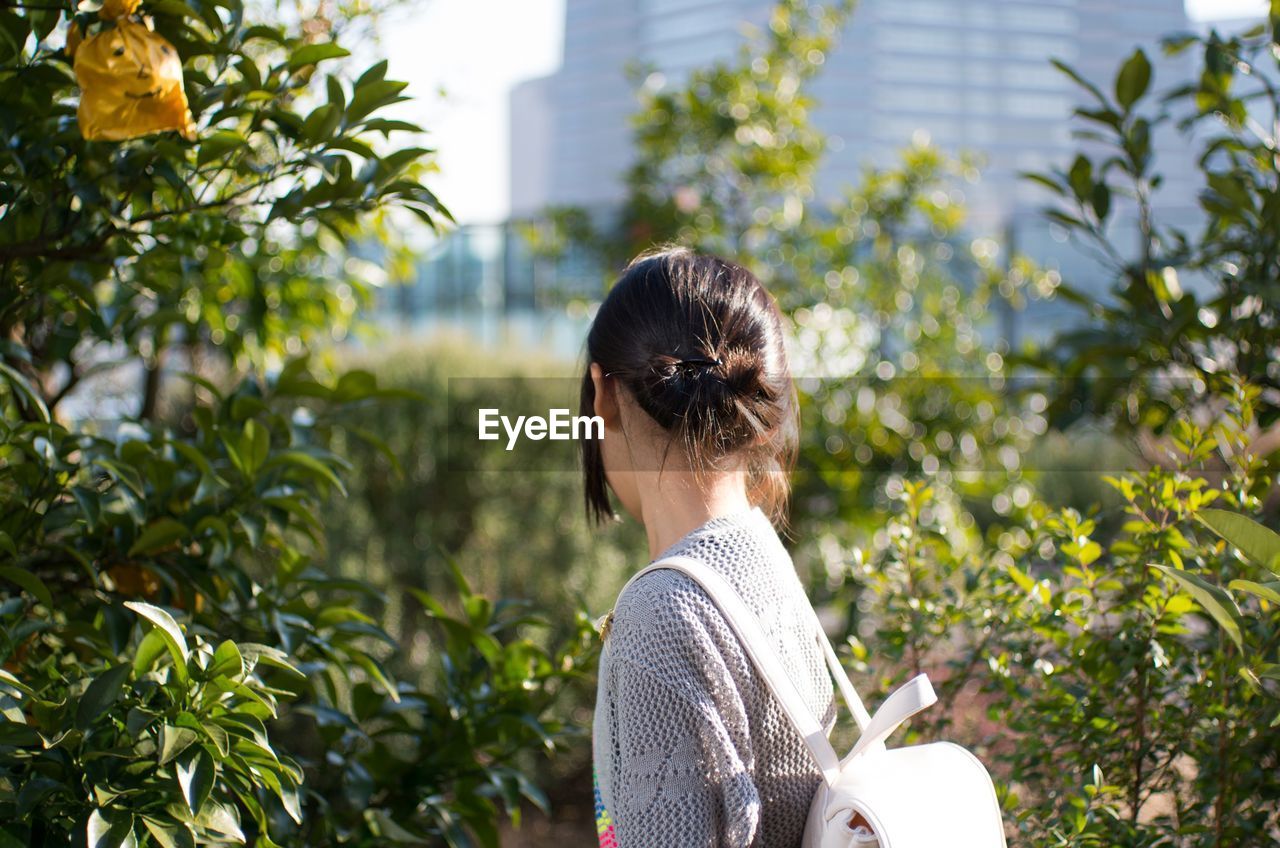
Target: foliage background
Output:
[(245, 598)]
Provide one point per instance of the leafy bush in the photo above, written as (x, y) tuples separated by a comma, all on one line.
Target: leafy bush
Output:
[(176, 667), (101, 731), (208, 527), (164, 752), (1186, 745), (1186, 306), (445, 761), (1116, 713)]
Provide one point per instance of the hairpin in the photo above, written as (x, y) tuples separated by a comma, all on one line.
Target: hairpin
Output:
[(699, 360)]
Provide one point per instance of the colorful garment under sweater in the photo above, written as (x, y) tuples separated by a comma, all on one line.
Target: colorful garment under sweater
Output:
[(604, 824)]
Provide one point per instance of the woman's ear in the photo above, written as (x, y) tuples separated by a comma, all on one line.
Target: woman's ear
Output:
[(606, 399)]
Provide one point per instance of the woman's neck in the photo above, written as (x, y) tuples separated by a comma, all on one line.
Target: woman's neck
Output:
[(676, 502)]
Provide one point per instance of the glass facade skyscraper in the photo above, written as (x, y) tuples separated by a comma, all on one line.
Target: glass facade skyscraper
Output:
[(970, 75)]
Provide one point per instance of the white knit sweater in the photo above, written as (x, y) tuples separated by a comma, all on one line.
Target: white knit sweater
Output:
[(691, 748)]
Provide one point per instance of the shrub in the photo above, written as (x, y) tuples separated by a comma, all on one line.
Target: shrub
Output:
[(1092, 674), (259, 716), (1187, 305), (177, 669)]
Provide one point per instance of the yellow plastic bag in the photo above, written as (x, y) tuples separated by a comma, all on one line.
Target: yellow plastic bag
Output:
[(130, 84), (112, 9)]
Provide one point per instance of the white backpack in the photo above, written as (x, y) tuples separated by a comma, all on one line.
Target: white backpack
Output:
[(923, 796)]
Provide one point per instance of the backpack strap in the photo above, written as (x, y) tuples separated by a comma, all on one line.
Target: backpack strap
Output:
[(907, 700), (746, 625)]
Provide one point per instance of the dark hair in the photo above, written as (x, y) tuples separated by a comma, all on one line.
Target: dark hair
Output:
[(698, 343)]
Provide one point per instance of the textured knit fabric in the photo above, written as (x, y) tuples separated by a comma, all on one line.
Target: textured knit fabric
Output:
[(692, 749)]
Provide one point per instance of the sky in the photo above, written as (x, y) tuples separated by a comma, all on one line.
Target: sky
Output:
[(461, 58)]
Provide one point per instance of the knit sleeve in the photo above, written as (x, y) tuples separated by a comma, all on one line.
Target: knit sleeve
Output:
[(681, 761)]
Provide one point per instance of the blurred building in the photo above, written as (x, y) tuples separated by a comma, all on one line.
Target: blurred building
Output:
[(585, 149), (968, 75), (531, 116), (483, 281)]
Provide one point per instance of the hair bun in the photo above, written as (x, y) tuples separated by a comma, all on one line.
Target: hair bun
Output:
[(698, 343), (743, 372), (673, 367), (722, 402)]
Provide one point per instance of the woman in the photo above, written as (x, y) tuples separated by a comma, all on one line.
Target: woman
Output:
[(688, 371)]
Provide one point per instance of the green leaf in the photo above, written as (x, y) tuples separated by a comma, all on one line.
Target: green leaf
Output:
[(232, 453), (8, 678), (247, 726), (313, 53), (222, 819), (149, 650), (1106, 117), (374, 73), (1081, 177), (105, 833), (1250, 677), (387, 829), (89, 502), (173, 741), (386, 126), (378, 673), (219, 144), (1025, 581), (196, 773), (127, 475), (29, 582), (159, 534), (1078, 79), (533, 793), (1259, 544), (13, 733), (356, 384), (33, 793), (289, 798), (1133, 79), (337, 96), (268, 655), (170, 632), (1268, 591), (22, 389), (309, 463), (227, 661), (255, 444), (321, 123), (372, 95), (101, 694), (218, 736), (170, 834), (1100, 200), (203, 382), (1213, 599)]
